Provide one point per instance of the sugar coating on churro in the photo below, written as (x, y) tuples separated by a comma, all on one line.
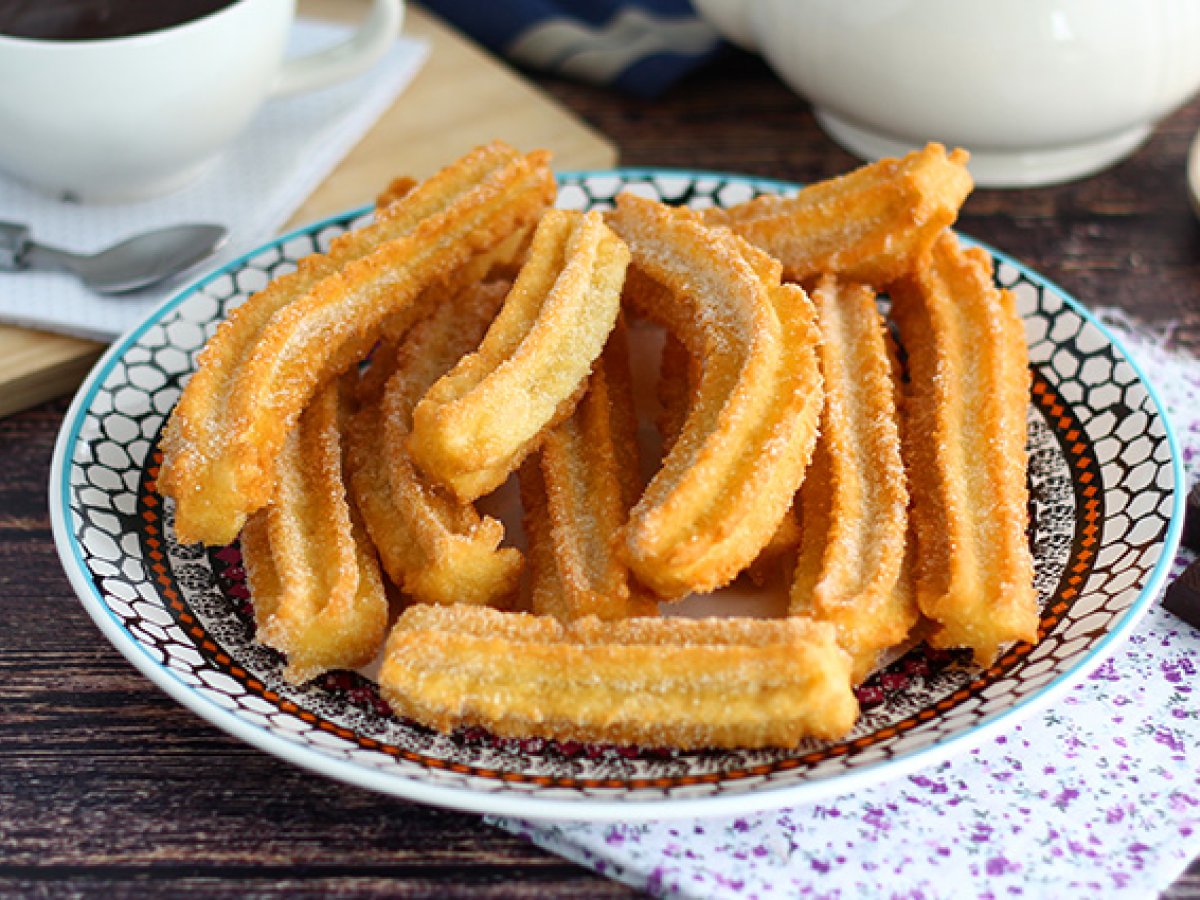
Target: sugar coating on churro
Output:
[(318, 595), (853, 502), (684, 683), (730, 475), (480, 420), (965, 411), (576, 492), (868, 226), (436, 548)]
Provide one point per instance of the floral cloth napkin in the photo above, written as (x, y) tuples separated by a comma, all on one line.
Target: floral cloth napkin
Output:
[(260, 179), (1098, 796)]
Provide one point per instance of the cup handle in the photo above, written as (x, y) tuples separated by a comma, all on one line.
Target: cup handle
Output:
[(351, 57)]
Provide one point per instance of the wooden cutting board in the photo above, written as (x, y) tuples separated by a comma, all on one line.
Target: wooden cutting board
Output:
[(461, 98)]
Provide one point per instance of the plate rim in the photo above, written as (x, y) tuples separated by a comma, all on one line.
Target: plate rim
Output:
[(529, 805)]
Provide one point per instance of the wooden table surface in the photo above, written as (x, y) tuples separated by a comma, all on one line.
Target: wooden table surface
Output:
[(108, 788)]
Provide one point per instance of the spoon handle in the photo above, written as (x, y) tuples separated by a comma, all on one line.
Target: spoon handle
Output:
[(18, 252), (14, 243)]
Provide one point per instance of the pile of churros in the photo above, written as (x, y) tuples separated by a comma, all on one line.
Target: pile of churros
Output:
[(346, 419)]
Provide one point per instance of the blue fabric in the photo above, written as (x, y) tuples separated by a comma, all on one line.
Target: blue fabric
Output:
[(642, 47)]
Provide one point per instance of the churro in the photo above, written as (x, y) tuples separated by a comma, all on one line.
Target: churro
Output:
[(479, 421), (853, 502), (264, 364), (870, 225), (730, 476), (965, 411), (576, 492), (318, 595), (677, 373), (686, 683), (435, 548)]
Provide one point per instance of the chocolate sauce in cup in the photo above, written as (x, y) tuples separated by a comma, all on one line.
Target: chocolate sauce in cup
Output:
[(89, 20)]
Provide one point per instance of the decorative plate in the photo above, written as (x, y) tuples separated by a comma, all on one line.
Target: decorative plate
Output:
[(1106, 506)]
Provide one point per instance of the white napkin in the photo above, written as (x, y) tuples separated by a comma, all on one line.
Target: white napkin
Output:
[(289, 148)]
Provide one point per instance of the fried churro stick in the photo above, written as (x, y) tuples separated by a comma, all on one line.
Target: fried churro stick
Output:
[(730, 476), (261, 367), (685, 683), (677, 373), (870, 225), (437, 549), (965, 411), (479, 421), (853, 502), (318, 596), (577, 491)]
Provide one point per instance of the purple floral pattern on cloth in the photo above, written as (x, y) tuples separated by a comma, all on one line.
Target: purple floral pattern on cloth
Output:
[(1097, 796)]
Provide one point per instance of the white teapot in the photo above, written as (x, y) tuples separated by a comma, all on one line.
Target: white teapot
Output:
[(1040, 91)]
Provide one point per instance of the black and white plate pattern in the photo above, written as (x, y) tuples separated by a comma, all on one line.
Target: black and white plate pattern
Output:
[(1106, 499)]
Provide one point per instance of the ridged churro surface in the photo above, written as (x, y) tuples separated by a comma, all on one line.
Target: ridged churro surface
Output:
[(480, 420), (318, 595), (576, 492), (684, 683), (965, 409), (730, 475), (853, 503), (435, 547), (870, 225)]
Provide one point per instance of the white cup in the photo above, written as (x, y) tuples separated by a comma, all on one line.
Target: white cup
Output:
[(122, 119)]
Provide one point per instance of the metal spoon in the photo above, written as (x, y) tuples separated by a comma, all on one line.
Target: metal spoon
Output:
[(134, 263)]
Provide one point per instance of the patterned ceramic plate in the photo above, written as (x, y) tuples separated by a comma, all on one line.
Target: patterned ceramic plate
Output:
[(1106, 505)]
